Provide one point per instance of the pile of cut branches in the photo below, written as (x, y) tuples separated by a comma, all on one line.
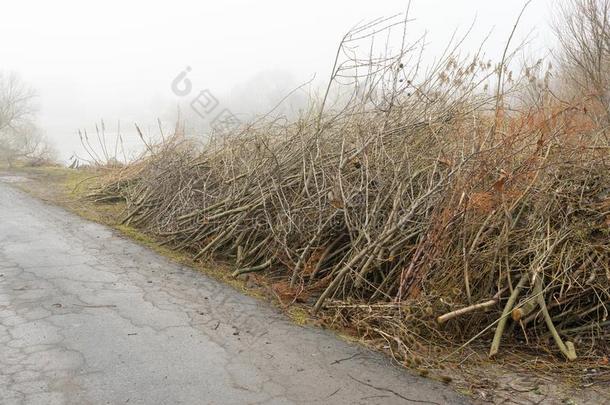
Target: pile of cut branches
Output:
[(419, 209)]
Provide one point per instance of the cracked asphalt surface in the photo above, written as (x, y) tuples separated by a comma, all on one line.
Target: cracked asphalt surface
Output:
[(88, 317)]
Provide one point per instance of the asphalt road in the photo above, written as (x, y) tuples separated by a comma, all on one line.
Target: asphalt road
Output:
[(88, 317)]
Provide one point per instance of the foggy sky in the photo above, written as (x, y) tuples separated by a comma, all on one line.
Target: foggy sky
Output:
[(115, 60)]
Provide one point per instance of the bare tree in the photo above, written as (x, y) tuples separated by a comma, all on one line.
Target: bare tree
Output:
[(583, 31), (16, 103), (20, 139)]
